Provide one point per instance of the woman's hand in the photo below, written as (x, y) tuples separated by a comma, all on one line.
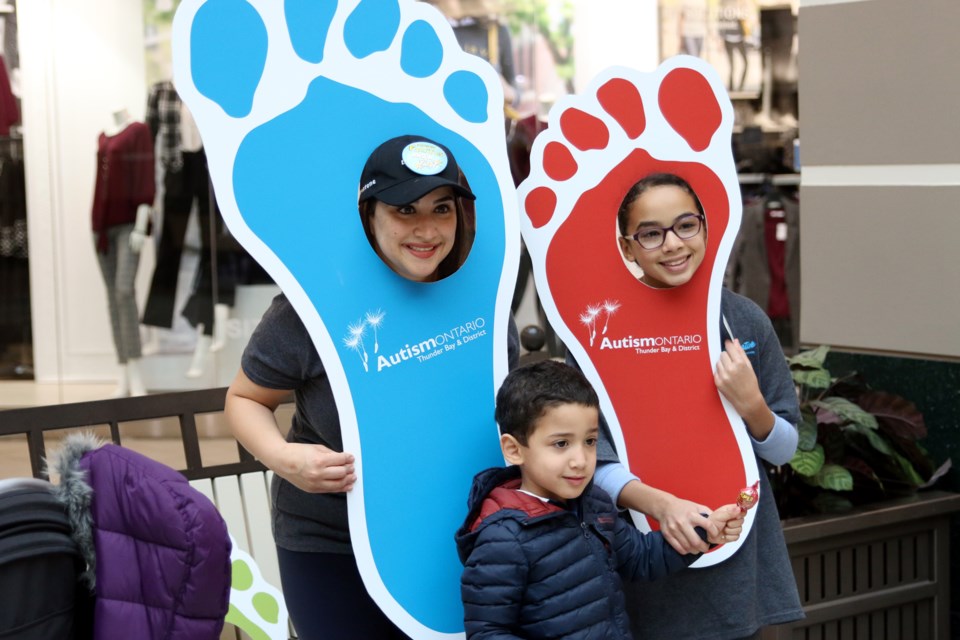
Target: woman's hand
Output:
[(315, 468)]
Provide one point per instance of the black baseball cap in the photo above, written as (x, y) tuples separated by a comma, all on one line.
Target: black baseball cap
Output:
[(403, 170)]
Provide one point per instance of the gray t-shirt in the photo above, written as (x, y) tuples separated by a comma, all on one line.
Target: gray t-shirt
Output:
[(280, 355)]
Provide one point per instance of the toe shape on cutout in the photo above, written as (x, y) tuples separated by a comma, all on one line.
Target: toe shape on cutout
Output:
[(421, 51), (691, 108), (583, 130), (558, 162), (621, 99), (467, 94), (540, 205), (228, 50), (371, 27), (308, 22)]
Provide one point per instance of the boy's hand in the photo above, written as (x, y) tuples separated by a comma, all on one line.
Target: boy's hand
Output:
[(729, 521)]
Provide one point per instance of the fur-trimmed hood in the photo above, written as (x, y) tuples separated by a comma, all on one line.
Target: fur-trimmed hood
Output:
[(158, 548)]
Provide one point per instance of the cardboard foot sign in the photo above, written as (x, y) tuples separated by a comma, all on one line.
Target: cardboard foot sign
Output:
[(650, 352), (290, 99)]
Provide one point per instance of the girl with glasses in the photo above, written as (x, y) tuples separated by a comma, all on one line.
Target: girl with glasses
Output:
[(663, 232)]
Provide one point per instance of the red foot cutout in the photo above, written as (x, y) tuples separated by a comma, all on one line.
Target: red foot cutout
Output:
[(690, 107), (583, 130), (621, 100), (649, 351), (558, 162), (540, 205)]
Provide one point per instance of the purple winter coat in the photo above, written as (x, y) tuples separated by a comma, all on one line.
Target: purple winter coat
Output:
[(162, 551)]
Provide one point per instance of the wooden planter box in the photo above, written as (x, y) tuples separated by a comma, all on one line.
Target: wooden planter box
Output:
[(879, 572)]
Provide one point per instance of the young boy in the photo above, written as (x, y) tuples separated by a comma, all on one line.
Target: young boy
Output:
[(543, 550)]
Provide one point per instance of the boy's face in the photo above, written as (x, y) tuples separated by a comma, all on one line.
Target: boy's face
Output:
[(560, 455)]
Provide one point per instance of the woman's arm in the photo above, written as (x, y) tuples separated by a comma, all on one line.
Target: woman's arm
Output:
[(311, 467)]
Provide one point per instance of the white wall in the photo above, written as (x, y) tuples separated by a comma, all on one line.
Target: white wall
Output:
[(79, 61), (614, 32)]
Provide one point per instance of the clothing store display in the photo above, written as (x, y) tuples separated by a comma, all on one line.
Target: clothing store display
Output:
[(163, 118), (124, 183), (15, 315), (9, 112), (184, 186), (125, 179), (765, 262), (118, 266), (186, 181)]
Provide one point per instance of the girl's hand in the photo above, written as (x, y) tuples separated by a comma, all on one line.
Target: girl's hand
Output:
[(315, 468), (736, 380), (677, 521)]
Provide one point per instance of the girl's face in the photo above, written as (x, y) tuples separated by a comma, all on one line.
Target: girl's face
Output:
[(413, 239), (673, 263)]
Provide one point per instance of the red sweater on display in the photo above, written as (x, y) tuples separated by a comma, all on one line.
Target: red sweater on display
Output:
[(125, 179)]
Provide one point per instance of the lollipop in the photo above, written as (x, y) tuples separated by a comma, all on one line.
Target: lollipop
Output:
[(748, 497)]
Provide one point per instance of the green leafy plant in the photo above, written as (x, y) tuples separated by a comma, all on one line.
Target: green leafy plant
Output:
[(857, 445)]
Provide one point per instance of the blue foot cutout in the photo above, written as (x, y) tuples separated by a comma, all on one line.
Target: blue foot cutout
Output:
[(228, 47), (308, 21), (431, 355), (372, 27)]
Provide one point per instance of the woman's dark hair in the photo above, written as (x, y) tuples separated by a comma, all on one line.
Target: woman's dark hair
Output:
[(527, 392), (644, 185), (462, 240)]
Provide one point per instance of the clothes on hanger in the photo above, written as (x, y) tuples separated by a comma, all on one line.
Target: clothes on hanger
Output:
[(9, 112), (125, 179), (765, 262)]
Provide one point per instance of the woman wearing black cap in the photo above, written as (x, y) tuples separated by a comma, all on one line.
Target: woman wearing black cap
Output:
[(411, 210)]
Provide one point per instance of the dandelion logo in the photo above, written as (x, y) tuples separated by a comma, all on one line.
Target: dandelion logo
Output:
[(357, 330), (375, 319), (589, 320), (610, 307), (589, 317)]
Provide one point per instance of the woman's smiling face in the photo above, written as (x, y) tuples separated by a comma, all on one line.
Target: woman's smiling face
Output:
[(413, 239), (676, 260)]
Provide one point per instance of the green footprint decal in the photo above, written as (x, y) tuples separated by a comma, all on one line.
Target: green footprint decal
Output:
[(256, 606)]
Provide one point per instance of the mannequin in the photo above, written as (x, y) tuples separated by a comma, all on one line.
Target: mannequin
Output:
[(186, 189), (122, 207)]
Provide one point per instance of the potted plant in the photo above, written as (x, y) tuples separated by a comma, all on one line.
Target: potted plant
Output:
[(869, 550), (857, 445)]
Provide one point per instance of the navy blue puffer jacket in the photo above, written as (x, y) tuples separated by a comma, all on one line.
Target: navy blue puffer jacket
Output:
[(535, 569)]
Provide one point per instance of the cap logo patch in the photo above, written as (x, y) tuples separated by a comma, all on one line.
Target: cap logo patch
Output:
[(424, 158)]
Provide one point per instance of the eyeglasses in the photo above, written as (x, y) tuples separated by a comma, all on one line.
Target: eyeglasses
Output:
[(685, 227)]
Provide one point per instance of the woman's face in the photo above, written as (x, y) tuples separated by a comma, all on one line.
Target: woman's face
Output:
[(674, 262), (413, 239)]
